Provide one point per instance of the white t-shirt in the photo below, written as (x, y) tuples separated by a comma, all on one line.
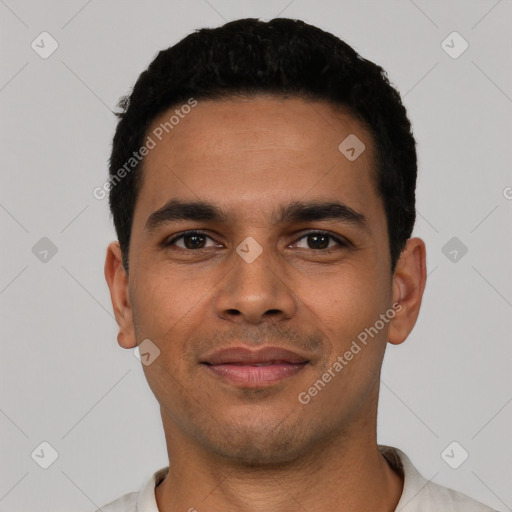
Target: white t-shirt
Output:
[(418, 495)]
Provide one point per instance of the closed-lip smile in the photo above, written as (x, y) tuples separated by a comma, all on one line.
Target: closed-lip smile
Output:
[(261, 367)]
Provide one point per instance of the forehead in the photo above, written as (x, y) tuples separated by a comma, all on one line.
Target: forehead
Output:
[(252, 151)]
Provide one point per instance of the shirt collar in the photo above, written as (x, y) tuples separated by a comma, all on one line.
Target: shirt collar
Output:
[(414, 482), (146, 501)]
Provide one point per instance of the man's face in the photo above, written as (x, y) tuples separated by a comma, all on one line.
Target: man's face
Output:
[(305, 292)]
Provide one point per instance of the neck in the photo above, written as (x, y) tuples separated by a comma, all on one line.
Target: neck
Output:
[(345, 474)]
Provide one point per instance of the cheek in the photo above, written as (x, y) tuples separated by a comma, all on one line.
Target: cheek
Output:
[(344, 303), (343, 308), (170, 308), (166, 309), (165, 302)]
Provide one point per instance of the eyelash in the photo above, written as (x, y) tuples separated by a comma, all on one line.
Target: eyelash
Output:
[(339, 241)]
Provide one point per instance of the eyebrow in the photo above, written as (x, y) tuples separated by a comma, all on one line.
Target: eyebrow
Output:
[(296, 211)]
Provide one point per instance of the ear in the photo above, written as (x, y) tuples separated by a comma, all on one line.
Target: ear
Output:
[(409, 281), (117, 281)]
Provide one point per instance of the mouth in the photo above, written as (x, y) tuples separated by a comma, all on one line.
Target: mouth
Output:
[(255, 368)]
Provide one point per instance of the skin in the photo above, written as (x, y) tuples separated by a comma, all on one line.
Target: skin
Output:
[(255, 450)]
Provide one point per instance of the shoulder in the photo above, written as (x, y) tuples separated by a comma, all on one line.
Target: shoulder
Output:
[(126, 503), (141, 501), (438, 497), (422, 495)]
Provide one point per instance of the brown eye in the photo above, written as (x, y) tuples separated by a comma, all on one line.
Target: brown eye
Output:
[(318, 240), (194, 241), (190, 241)]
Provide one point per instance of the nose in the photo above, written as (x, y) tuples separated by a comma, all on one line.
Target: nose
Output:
[(255, 292)]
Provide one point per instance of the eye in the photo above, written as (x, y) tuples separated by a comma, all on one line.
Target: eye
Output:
[(317, 240), (314, 240), (190, 240)]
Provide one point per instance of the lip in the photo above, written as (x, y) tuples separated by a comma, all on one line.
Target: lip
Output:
[(255, 368), (243, 355)]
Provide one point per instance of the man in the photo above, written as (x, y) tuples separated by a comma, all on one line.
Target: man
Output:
[(262, 184)]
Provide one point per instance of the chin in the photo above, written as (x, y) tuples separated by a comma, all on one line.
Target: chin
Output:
[(259, 444), (250, 453)]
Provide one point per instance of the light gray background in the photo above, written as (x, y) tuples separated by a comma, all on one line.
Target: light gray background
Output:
[(65, 379)]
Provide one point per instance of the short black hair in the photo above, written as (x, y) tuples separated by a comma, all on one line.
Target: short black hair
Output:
[(282, 57)]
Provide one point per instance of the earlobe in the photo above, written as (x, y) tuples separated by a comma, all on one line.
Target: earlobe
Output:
[(117, 281), (409, 281)]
